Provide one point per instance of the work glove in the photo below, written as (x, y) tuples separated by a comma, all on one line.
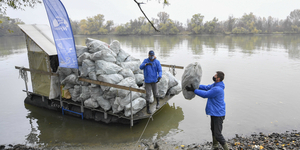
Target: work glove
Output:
[(148, 64), (190, 88), (158, 79)]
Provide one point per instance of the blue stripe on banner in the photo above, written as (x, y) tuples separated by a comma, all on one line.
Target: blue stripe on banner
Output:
[(62, 33)]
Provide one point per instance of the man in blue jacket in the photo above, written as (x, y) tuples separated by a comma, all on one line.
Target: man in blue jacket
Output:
[(152, 75), (215, 106)]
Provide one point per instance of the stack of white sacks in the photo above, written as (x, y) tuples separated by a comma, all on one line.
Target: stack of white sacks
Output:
[(109, 63)]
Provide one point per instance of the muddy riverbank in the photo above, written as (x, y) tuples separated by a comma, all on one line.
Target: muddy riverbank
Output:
[(287, 140)]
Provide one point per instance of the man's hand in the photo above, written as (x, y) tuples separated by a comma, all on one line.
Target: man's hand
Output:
[(148, 64), (158, 79), (190, 88)]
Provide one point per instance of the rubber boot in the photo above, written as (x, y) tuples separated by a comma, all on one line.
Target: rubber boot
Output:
[(157, 102), (225, 146), (215, 144), (148, 110)]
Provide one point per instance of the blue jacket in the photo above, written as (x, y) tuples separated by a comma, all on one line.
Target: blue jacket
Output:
[(215, 105), (151, 72)]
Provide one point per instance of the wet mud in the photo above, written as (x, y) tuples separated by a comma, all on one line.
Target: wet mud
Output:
[(274, 141)]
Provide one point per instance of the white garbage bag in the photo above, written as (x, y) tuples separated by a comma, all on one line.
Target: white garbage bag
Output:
[(131, 58), (103, 67), (104, 103), (105, 55), (139, 79), (75, 93), (95, 92), (72, 79), (122, 55), (122, 102), (137, 105), (85, 93), (126, 72), (80, 49), (192, 75), (93, 76), (115, 46), (87, 67), (134, 66), (54, 87), (94, 45), (163, 86), (172, 80), (111, 78), (128, 82), (91, 103), (175, 89), (82, 57)]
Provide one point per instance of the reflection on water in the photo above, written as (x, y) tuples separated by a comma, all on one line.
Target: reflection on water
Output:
[(165, 44), (55, 128), (11, 45)]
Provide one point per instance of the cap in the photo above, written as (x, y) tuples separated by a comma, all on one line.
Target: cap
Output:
[(151, 53)]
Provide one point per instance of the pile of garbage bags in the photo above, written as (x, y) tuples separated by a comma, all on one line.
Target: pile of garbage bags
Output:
[(110, 63)]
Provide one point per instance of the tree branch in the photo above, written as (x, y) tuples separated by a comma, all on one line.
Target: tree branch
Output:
[(145, 15)]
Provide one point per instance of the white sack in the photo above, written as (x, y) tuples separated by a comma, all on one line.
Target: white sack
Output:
[(139, 79), (54, 87), (104, 103), (105, 55), (111, 78), (172, 80), (93, 76), (85, 93), (126, 72), (134, 66), (72, 79), (122, 102), (162, 86), (87, 67), (82, 57), (122, 55), (137, 105), (103, 67), (115, 46), (80, 49), (129, 82), (192, 75), (95, 92), (91, 103), (175, 89)]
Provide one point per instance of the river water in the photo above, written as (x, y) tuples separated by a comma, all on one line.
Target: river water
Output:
[(261, 92)]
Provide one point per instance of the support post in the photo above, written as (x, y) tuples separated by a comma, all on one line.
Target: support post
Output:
[(60, 97), (105, 115), (131, 118)]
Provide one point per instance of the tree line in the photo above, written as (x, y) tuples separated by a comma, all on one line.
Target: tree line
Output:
[(247, 24), (9, 26)]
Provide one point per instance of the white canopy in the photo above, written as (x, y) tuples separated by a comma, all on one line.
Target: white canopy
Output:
[(41, 35)]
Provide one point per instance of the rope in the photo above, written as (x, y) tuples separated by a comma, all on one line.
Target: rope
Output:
[(147, 124), (23, 74), (144, 130), (172, 69)]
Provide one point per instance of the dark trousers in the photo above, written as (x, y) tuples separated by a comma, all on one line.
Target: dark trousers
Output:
[(216, 126)]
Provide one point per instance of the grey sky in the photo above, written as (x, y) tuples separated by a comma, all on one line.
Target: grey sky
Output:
[(121, 11)]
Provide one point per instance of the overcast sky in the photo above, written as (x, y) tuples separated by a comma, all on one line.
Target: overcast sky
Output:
[(121, 11)]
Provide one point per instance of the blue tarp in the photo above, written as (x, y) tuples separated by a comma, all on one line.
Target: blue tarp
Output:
[(62, 33)]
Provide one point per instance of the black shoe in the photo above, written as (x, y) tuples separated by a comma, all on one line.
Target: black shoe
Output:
[(148, 110)]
